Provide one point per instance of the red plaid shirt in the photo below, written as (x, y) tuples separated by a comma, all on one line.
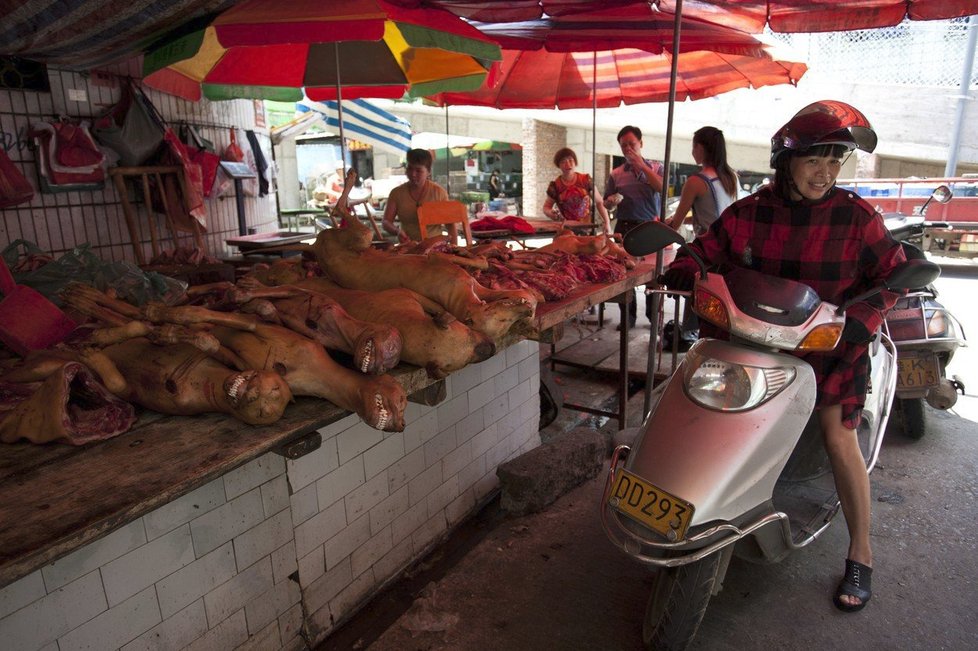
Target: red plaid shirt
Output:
[(838, 246)]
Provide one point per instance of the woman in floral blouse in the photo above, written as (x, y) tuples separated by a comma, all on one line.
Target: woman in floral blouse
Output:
[(572, 196)]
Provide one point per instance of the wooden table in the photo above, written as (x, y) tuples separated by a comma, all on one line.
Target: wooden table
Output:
[(551, 315), (542, 228), (260, 242), (56, 498), (294, 218)]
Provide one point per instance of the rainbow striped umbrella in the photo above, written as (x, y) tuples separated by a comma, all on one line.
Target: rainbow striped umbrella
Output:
[(268, 49)]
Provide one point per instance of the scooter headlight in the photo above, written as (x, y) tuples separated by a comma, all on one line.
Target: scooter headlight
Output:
[(725, 386)]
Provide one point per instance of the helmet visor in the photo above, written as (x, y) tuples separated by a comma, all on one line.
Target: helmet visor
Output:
[(823, 123)]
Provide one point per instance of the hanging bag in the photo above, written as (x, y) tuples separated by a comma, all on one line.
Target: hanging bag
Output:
[(201, 151), (67, 157), (235, 154), (130, 127), (14, 186)]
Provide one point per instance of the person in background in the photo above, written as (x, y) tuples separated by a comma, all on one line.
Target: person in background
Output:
[(803, 228), (708, 193), (572, 195), (494, 189), (713, 188), (634, 189), (334, 184), (405, 199)]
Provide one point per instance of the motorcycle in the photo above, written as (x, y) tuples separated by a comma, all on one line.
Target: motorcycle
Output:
[(730, 460), (925, 333)]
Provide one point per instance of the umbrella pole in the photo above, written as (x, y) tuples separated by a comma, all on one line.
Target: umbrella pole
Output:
[(594, 131), (448, 158), (657, 298), (339, 106)]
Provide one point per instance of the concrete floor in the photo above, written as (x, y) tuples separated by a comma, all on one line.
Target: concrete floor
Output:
[(553, 581)]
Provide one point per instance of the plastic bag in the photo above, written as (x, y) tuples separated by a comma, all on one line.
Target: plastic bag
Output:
[(233, 151), (176, 154), (201, 151), (235, 154), (130, 127), (14, 186), (130, 283)]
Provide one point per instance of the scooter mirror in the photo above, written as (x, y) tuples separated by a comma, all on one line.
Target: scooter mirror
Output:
[(913, 274), (941, 194), (650, 237)]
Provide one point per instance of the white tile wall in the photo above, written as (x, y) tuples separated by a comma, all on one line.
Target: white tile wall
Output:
[(174, 632), (116, 626), (263, 539), (225, 522), (146, 565), (228, 564), (197, 579)]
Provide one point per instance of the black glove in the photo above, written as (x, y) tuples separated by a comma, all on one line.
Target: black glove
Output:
[(677, 279), (854, 332)]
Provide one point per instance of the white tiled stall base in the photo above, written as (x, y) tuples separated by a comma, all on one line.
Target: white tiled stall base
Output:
[(276, 553)]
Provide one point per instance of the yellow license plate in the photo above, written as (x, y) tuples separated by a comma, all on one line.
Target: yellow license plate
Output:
[(655, 508), (918, 372)]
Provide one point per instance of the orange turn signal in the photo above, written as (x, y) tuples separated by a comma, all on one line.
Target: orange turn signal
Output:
[(824, 337), (712, 309)]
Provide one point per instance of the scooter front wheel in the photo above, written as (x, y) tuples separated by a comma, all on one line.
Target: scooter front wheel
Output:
[(914, 421), (678, 603)]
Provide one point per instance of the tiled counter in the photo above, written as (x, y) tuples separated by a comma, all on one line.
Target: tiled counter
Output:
[(271, 554)]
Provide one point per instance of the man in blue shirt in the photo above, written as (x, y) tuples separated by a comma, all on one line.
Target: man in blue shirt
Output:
[(635, 189)]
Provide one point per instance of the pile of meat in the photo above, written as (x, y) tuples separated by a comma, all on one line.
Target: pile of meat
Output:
[(554, 271), (330, 324)]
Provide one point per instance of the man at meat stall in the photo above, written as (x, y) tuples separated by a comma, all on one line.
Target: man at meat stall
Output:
[(634, 190)]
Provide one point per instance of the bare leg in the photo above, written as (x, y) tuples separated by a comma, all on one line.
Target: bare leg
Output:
[(851, 483)]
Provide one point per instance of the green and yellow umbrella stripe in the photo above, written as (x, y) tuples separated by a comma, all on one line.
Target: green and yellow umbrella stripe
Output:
[(386, 52)]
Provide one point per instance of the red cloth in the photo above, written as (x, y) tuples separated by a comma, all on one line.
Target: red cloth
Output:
[(838, 246), (510, 222)]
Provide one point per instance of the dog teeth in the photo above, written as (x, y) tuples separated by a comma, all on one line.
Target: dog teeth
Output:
[(368, 356), (235, 386), (383, 416)]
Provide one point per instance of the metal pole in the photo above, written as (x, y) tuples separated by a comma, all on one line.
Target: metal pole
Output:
[(339, 107), (656, 298), (448, 158), (969, 61), (594, 138)]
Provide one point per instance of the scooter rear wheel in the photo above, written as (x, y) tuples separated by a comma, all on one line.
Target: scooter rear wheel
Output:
[(914, 420), (678, 603)]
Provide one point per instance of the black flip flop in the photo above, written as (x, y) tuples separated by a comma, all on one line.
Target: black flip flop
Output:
[(856, 583)]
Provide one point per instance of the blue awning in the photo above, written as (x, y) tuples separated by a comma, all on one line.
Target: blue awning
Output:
[(365, 122)]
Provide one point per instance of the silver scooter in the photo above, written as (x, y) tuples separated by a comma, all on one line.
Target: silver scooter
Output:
[(730, 459), (925, 333)]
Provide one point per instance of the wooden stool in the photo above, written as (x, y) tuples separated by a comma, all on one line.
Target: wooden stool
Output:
[(160, 175)]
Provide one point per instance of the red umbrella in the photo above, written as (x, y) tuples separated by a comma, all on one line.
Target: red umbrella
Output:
[(540, 79), (612, 27), (820, 16), (745, 15)]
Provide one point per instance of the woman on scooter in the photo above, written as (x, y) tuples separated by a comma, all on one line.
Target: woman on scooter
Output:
[(801, 227)]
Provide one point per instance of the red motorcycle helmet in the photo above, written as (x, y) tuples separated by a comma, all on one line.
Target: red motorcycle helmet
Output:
[(828, 122)]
